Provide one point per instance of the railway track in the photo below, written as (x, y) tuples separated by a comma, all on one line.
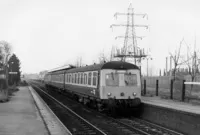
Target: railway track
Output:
[(75, 123), (104, 124), (150, 128)]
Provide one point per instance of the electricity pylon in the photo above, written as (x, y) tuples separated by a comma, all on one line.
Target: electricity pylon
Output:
[(130, 48)]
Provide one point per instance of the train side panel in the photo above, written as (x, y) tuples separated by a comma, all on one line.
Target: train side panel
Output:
[(57, 80), (83, 90), (80, 84)]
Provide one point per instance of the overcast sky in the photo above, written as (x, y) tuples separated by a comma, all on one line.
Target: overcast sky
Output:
[(46, 34)]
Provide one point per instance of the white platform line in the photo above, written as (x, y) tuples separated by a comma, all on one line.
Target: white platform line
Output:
[(54, 125), (73, 112)]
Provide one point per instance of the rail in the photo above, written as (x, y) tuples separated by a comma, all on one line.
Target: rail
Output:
[(90, 127)]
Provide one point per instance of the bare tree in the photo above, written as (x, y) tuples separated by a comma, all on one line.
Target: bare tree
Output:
[(78, 62), (103, 58), (193, 64), (110, 57), (176, 58), (112, 53), (5, 51), (1, 55)]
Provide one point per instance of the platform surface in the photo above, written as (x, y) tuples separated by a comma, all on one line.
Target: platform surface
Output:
[(52, 122), (20, 116), (172, 104)]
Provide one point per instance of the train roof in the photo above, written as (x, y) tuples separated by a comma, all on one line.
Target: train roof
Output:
[(109, 65), (61, 69)]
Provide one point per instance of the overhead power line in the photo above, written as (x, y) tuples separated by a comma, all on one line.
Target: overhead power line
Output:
[(130, 48)]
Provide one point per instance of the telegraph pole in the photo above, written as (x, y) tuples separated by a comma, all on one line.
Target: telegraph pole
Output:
[(130, 48)]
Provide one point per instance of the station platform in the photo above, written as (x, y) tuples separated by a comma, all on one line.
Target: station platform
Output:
[(27, 114), (172, 104)]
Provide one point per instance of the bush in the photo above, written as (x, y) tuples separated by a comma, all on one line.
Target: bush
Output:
[(23, 83), (2, 84)]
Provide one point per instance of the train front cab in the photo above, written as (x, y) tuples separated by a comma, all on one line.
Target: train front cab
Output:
[(122, 87)]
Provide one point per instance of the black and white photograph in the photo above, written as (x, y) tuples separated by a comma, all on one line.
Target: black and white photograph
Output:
[(99, 67)]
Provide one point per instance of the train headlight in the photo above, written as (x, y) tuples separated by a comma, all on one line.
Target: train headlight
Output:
[(109, 94), (134, 94), (122, 94)]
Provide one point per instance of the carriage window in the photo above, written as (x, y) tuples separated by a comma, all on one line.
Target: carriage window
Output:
[(85, 78), (52, 78), (70, 79), (61, 77), (89, 78), (130, 79), (81, 81), (94, 78), (73, 76), (56, 78), (76, 76), (112, 79), (49, 77), (66, 77), (79, 78)]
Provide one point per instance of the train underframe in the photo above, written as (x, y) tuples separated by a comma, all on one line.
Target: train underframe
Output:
[(111, 105)]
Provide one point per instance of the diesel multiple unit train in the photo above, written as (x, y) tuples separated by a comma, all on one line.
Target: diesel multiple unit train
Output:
[(114, 84)]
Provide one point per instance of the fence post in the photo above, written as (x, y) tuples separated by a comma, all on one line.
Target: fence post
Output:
[(171, 89), (144, 87), (156, 87), (183, 90)]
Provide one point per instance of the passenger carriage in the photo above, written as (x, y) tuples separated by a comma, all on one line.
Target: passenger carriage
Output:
[(113, 83)]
